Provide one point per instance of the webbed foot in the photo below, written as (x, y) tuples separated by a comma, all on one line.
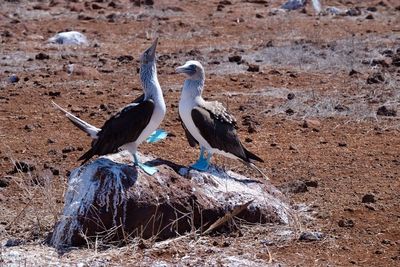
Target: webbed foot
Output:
[(156, 136), (200, 165)]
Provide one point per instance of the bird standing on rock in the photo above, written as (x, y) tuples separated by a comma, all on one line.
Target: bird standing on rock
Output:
[(208, 123), (135, 123)]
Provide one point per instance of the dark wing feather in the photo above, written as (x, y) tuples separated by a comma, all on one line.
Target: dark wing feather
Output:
[(122, 128), (219, 131), (192, 142)]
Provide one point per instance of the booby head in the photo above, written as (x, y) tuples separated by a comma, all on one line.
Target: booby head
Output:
[(193, 69), (149, 56)]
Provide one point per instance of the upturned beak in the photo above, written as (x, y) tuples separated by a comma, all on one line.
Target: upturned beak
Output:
[(152, 49)]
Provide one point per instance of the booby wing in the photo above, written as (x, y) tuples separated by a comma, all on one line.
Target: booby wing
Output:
[(217, 127), (122, 128), (192, 141)]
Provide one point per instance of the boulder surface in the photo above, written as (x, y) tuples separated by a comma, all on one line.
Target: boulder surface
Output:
[(111, 199)]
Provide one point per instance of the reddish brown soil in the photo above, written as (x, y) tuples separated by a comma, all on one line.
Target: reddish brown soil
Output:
[(349, 153)]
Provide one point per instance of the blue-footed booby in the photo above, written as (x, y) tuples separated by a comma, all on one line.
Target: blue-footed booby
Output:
[(208, 123), (136, 122)]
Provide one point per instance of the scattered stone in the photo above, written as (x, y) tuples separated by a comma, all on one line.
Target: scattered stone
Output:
[(347, 223), (353, 12), (289, 112), (6, 34), (54, 93), (251, 123), (376, 77), (290, 96), (353, 72), (311, 183), (372, 9), (68, 149), (311, 236), (13, 242), (342, 144), (125, 58), (396, 60), (368, 198), (294, 4), (22, 166), (384, 111), (84, 17), (253, 68), (341, 108), (369, 16), (294, 187), (4, 181), (235, 58), (42, 56), (13, 78), (259, 16), (69, 38)]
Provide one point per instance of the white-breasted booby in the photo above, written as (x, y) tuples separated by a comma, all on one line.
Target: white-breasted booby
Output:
[(135, 123), (208, 123)]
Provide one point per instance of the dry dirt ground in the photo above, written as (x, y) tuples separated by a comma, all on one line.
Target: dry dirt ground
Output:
[(324, 108)]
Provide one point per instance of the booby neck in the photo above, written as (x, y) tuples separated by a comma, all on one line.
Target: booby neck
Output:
[(151, 86), (193, 89)]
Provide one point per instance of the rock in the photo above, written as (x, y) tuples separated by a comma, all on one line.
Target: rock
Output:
[(311, 236), (13, 78), (111, 196), (42, 56), (368, 198), (22, 166), (353, 72), (4, 181), (353, 12), (396, 60), (290, 96), (251, 123), (369, 16), (235, 58), (85, 17), (384, 111), (289, 112), (294, 4), (372, 9), (69, 38), (311, 183), (376, 77), (13, 242), (253, 68), (294, 187), (347, 223), (125, 58), (68, 149), (341, 108)]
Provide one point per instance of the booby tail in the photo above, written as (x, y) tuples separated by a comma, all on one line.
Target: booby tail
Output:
[(91, 130)]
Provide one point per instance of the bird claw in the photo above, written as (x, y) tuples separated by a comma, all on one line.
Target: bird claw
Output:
[(200, 165), (147, 169), (156, 136)]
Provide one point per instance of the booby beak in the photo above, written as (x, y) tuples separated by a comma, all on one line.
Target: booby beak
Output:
[(151, 51), (186, 69)]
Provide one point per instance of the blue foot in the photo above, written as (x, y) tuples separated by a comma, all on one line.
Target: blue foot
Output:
[(200, 165), (147, 169), (156, 136)]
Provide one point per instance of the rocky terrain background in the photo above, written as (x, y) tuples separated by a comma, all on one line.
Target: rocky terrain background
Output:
[(316, 96)]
